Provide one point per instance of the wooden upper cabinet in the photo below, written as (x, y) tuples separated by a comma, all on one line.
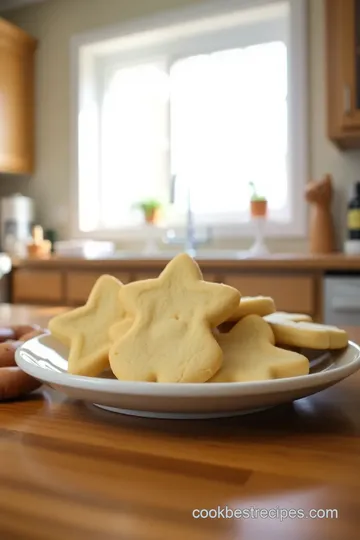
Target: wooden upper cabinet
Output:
[(17, 50), (343, 71)]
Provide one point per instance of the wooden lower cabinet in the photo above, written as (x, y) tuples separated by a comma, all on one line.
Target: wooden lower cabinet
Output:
[(294, 293), (70, 287), (79, 284), (138, 276), (37, 287)]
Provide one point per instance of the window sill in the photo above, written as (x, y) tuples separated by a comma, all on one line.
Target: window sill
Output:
[(273, 229)]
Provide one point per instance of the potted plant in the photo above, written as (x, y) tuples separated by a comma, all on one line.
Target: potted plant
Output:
[(150, 209), (258, 203)]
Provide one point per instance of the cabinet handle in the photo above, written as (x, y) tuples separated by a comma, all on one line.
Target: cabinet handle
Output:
[(347, 99)]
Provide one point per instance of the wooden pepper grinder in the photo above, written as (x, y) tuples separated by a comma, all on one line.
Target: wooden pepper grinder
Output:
[(321, 228), (38, 247)]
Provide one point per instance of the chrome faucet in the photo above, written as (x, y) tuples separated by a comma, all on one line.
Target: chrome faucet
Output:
[(190, 242)]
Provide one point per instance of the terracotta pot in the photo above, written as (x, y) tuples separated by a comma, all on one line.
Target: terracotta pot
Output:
[(151, 216), (258, 208)]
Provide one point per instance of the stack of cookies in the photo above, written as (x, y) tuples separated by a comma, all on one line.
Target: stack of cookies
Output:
[(178, 328)]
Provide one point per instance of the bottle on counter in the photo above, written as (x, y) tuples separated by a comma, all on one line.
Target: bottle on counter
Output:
[(50, 234), (352, 244)]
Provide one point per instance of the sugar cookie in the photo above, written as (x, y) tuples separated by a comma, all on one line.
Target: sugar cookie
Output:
[(171, 339), (118, 329), (253, 305), (14, 383), (308, 335), (295, 317), (85, 329), (250, 354)]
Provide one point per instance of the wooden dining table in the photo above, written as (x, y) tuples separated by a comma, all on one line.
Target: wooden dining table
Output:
[(70, 470)]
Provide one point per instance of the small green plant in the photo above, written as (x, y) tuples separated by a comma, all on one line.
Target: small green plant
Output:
[(255, 195), (150, 209), (148, 205)]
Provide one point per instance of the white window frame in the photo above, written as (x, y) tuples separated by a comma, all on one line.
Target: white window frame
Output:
[(297, 99)]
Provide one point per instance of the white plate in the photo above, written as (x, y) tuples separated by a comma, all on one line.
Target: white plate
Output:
[(45, 358)]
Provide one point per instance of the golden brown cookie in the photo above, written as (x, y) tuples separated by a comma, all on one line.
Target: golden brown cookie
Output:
[(22, 329), (7, 333), (8, 348), (253, 305), (14, 383), (118, 329), (250, 354), (31, 334), (7, 353), (86, 329), (295, 317), (171, 338), (308, 335)]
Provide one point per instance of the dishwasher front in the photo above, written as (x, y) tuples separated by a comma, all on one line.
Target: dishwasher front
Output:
[(342, 300)]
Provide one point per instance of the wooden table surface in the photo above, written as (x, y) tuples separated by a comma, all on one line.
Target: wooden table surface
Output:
[(68, 470)]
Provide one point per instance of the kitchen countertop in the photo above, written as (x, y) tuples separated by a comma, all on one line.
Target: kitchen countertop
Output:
[(280, 261), (73, 471), (22, 314)]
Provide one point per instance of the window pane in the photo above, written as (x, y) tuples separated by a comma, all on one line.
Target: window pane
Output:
[(134, 145), (229, 127)]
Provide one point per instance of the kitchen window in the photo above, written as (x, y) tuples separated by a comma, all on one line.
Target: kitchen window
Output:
[(193, 106)]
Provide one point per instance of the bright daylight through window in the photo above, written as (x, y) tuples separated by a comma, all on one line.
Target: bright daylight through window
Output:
[(194, 109)]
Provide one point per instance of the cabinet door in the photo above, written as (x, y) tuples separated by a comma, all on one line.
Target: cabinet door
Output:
[(151, 274), (290, 292), (79, 284), (350, 52), (16, 101), (37, 287)]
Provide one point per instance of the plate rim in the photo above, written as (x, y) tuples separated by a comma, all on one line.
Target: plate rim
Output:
[(114, 386)]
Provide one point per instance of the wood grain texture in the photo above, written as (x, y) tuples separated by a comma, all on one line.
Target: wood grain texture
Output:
[(37, 286), (343, 125), (69, 470), (79, 284), (347, 22), (289, 279), (17, 99), (292, 293), (333, 70), (277, 262)]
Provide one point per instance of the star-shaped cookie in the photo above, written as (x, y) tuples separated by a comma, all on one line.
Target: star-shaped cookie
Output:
[(253, 305), (86, 329), (171, 338), (294, 317), (250, 354), (307, 334)]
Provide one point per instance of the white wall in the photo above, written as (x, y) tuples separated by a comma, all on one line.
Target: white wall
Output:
[(54, 22)]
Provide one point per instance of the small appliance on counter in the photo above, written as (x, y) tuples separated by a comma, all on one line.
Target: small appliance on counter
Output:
[(16, 221), (352, 243)]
